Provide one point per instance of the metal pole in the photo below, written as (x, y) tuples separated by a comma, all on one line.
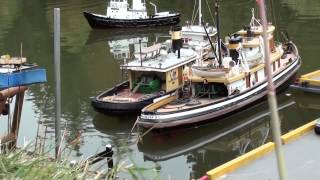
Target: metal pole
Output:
[(275, 121), (140, 52), (218, 31), (57, 79)]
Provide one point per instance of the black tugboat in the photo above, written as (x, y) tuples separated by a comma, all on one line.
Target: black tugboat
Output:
[(155, 73), (120, 16)]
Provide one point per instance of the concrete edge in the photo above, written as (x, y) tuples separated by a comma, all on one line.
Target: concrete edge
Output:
[(240, 161), (294, 134), (258, 152)]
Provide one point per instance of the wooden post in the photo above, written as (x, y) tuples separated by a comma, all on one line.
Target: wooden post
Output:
[(14, 131)]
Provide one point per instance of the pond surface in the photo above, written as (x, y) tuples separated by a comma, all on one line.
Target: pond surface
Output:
[(90, 64)]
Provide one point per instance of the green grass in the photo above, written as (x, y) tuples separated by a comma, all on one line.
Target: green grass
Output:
[(19, 164)]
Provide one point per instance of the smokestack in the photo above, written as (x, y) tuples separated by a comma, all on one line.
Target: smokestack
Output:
[(176, 39)]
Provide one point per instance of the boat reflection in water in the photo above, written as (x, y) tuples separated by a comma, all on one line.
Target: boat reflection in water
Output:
[(213, 144), (121, 48), (116, 132), (236, 135), (96, 36)]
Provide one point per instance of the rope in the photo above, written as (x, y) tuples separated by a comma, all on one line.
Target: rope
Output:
[(146, 132)]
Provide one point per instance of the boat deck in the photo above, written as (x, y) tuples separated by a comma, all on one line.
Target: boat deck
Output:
[(164, 62), (186, 104), (301, 153), (124, 95)]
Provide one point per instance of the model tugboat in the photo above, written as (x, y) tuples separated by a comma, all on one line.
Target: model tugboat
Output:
[(230, 84), (155, 72), (119, 15)]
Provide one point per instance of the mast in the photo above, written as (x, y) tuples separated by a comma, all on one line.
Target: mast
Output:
[(216, 4), (200, 13)]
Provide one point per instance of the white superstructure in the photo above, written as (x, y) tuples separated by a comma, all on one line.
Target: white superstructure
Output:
[(195, 34), (119, 9)]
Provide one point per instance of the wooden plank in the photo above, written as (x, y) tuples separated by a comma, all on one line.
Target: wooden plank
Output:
[(17, 117), (158, 104)]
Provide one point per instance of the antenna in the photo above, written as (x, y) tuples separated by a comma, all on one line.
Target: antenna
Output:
[(21, 46), (218, 31), (200, 13)]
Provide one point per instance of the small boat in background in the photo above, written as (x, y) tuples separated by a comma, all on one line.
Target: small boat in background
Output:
[(308, 82), (14, 72), (119, 15)]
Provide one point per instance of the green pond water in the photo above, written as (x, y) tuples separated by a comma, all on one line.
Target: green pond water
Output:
[(90, 64)]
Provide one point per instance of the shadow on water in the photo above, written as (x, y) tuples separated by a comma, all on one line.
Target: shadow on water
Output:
[(176, 143), (253, 123), (210, 145), (112, 125)]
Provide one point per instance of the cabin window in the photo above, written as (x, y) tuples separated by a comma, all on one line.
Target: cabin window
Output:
[(248, 80), (255, 77), (274, 66)]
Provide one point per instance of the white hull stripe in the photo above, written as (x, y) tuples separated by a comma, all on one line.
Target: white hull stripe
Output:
[(214, 106)]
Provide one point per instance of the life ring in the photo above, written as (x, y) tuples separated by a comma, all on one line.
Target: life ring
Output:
[(187, 73), (173, 75)]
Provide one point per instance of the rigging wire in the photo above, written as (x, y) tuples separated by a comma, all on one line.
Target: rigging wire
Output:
[(194, 18), (273, 14), (211, 15), (194, 8)]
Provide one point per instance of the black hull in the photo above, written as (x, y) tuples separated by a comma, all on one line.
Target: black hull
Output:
[(119, 108), (313, 89), (102, 22), (218, 114)]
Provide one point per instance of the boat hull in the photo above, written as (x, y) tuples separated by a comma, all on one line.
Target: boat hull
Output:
[(99, 21), (314, 89), (23, 78), (119, 108), (218, 110)]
